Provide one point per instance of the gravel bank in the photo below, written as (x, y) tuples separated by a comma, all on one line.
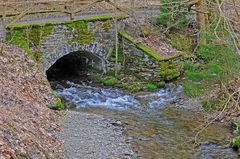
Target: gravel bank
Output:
[(89, 136)]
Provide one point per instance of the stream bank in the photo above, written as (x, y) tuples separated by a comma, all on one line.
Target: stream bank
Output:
[(159, 124), (94, 136)]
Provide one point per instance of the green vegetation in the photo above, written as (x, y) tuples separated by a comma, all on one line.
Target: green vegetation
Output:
[(112, 57), (58, 103), (168, 71), (181, 41), (144, 48), (110, 81), (152, 86), (16, 37), (193, 89), (29, 37), (235, 143), (173, 14), (106, 26), (219, 64), (80, 32)]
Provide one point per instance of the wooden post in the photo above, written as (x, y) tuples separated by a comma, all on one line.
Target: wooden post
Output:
[(72, 9), (116, 39)]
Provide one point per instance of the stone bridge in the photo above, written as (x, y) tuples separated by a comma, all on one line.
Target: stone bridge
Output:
[(90, 39), (50, 41)]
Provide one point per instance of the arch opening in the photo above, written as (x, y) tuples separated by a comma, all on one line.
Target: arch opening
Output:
[(75, 66)]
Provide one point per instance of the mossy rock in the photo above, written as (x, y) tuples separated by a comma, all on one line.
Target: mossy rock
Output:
[(133, 87), (235, 143), (106, 26), (110, 81), (168, 71), (161, 84)]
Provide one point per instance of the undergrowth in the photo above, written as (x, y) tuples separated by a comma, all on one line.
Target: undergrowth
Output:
[(216, 65)]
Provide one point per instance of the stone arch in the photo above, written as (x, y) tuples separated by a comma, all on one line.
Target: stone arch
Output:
[(93, 53)]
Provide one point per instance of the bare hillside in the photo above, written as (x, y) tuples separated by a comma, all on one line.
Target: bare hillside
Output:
[(27, 125)]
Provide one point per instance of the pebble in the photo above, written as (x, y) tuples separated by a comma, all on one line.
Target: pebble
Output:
[(91, 136)]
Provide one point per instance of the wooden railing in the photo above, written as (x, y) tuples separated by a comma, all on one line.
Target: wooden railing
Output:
[(11, 11)]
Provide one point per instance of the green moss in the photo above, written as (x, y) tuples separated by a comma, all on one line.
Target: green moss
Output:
[(161, 84), (235, 143), (110, 81), (149, 51), (87, 19), (168, 71), (38, 55), (126, 35), (36, 34), (133, 87), (16, 37), (106, 26), (29, 37), (58, 103), (146, 49), (152, 86), (24, 26), (80, 32)]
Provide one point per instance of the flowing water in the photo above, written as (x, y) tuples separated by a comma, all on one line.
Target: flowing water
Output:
[(156, 127)]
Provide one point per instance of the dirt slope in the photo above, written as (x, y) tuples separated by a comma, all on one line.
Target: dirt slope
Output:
[(27, 125)]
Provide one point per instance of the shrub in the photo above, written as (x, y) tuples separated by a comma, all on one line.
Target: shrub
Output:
[(173, 13), (152, 86)]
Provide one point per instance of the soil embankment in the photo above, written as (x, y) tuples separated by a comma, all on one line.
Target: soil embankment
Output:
[(27, 126)]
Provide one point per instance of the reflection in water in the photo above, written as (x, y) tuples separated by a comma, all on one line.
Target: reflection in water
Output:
[(155, 128)]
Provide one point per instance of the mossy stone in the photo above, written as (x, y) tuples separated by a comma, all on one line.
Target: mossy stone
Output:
[(110, 81), (80, 32), (106, 26), (168, 71), (161, 84)]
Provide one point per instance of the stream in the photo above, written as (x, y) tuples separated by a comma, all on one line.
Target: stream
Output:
[(157, 125)]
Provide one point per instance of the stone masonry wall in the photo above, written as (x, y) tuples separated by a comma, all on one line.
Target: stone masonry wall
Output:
[(94, 37), (138, 61)]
